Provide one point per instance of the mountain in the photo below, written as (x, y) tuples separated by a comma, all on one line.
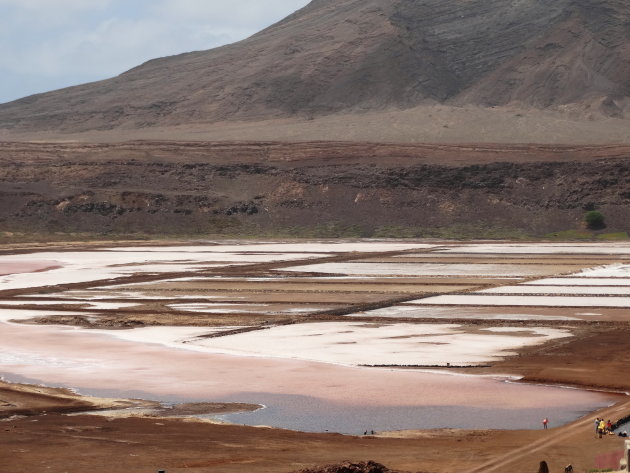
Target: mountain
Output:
[(482, 68)]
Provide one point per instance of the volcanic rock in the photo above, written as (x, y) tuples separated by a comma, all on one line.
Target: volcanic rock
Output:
[(349, 467)]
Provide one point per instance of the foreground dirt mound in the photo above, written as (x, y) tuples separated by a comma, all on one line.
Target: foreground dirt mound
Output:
[(348, 467)]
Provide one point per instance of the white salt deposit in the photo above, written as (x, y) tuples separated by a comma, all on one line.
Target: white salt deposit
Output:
[(355, 343), (21, 358), (218, 308), (609, 271), (36, 302), (525, 301), (96, 265), (580, 290), (212, 257), (111, 305), (211, 308), (402, 311), (573, 281), (425, 269), (174, 337), (307, 246), (24, 314), (616, 248)]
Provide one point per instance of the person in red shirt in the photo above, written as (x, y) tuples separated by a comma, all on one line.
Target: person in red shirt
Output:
[(545, 422)]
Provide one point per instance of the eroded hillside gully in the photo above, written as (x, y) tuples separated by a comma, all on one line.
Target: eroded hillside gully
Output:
[(255, 323)]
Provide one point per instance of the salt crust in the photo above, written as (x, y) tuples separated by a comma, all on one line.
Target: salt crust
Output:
[(612, 248), (425, 269), (173, 337), (573, 281), (354, 343), (608, 271), (219, 308), (24, 314), (450, 313), (309, 246), (525, 301), (545, 290), (86, 266)]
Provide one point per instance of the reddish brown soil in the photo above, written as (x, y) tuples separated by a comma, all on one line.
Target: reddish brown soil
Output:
[(309, 188), (88, 443), (598, 358)]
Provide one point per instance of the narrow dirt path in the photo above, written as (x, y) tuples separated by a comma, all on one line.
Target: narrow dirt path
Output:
[(502, 462)]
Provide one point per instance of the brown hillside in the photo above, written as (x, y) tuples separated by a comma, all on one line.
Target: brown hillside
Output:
[(351, 57)]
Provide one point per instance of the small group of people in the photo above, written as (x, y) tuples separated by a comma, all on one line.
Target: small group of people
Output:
[(603, 428)]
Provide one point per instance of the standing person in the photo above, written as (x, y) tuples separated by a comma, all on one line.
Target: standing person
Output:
[(597, 426), (602, 428), (545, 422)]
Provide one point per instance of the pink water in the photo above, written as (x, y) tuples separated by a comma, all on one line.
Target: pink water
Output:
[(16, 267), (99, 363)]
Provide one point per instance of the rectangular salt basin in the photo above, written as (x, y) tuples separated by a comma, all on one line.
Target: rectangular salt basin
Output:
[(544, 290), (411, 312), (84, 266), (354, 343), (429, 269), (541, 248), (264, 309), (510, 257), (525, 301), (289, 247), (609, 271), (442, 258), (89, 305), (573, 281), (288, 285), (25, 314)]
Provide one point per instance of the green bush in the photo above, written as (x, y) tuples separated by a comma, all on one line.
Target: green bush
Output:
[(594, 219)]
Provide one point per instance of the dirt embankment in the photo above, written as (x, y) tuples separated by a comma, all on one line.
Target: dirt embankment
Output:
[(309, 188)]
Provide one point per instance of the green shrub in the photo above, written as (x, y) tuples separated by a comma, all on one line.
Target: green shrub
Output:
[(594, 219)]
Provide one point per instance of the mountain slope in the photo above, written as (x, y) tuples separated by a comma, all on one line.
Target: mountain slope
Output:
[(353, 56)]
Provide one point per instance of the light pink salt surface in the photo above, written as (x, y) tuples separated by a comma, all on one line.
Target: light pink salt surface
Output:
[(19, 267), (82, 359)]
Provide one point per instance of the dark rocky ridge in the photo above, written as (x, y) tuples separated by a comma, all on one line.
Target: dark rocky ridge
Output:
[(201, 188), (365, 55)]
